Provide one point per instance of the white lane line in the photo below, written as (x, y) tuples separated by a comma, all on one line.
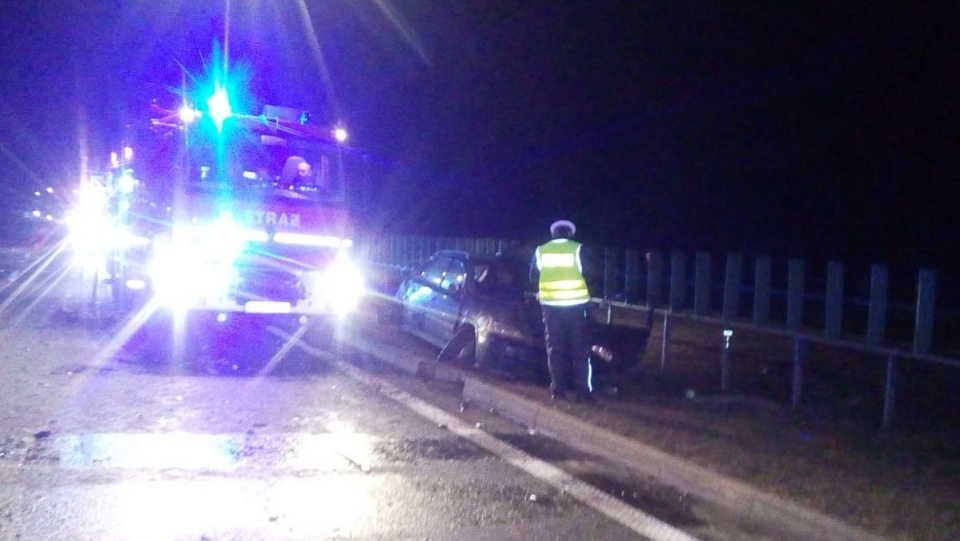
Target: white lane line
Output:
[(632, 518)]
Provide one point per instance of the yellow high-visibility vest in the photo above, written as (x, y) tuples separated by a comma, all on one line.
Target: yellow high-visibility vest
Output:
[(561, 273)]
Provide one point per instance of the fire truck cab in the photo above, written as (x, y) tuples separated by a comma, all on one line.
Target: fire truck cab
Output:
[(250, 215)]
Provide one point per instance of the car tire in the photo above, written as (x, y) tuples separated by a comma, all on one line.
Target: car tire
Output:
[(461, 348), (490, 356)]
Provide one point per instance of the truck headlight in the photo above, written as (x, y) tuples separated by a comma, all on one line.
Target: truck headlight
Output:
[(195, 261), (340, 285)]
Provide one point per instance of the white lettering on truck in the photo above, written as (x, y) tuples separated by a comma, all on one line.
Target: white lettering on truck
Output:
[(269, 217)]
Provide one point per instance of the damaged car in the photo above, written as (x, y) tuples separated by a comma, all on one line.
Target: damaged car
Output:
[(482, 310)]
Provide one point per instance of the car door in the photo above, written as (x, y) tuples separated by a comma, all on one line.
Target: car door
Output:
[(418, 295), (445, 303)]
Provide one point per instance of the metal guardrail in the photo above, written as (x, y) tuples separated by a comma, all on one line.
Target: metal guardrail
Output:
[(666, 284)]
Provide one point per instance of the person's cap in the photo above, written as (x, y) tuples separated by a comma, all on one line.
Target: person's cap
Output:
[(563, 223)]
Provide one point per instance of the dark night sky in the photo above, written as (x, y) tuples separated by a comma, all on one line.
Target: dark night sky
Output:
[(767, 127)]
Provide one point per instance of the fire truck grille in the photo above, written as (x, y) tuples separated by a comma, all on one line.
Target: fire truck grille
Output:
[(268, 285)]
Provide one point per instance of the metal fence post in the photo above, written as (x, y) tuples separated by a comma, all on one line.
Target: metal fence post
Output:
[(795, 295), (609, 271), (877, 315), (701, 291), (407, 247), (427, 248), (731, 287), (798, 349), (665, 342), (833, 318), (490, 246), (654, 279), (677, 281), (926, 294), (889, 394), (725, 361), (631, 275), (761, 291)]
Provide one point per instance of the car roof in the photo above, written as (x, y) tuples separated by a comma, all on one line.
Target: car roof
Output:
[(511, 255)]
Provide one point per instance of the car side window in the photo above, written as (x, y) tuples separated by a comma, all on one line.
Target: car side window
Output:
[(454, 277)]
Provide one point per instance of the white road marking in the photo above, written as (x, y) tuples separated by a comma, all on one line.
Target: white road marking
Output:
[(632, 518)]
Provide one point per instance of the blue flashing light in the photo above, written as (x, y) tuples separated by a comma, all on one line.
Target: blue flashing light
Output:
[(219, 105)]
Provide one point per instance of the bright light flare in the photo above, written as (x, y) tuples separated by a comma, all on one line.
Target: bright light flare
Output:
[(340, 134), (197, 261), (341, 285), (90, 226), (188, 114), (219, 105), (126, 183)]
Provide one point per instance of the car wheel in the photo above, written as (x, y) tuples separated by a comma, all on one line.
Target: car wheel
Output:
[(461, 348), (490, 354)]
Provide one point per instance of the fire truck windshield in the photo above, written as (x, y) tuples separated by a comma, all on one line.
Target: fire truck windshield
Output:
[(250, 163)]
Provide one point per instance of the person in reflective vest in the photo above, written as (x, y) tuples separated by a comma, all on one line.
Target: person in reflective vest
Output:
[(564, 298)]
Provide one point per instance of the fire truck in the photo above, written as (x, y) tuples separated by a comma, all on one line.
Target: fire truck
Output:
[(221, 215)]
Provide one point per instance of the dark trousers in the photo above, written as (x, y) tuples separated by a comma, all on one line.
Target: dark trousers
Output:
[(568, 348)]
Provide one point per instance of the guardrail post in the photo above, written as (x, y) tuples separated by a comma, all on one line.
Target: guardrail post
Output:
[(795, 295), (631, 275), (889, 393), (731, 287), (798, 350), (877, 315), (725, 361), (761, 291), (609, 271), (833, 318), (926, 293), (677, 281), (665, 342), (701, 291), (654, 279)]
